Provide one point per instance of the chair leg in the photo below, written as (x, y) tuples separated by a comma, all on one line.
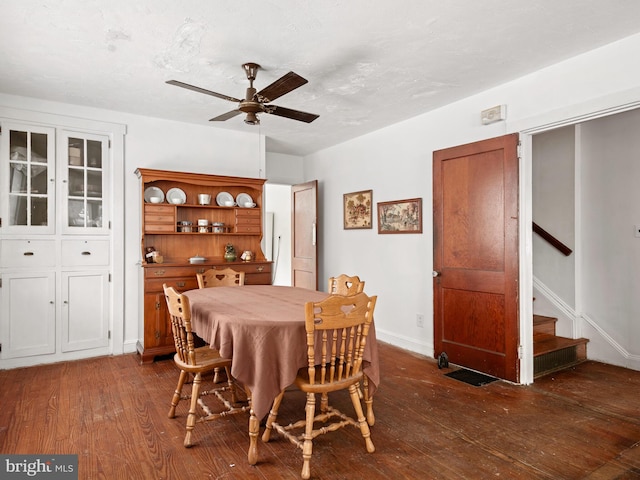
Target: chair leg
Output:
[(307, 447), (216, 375), (368, 401), (177, 394), (230, 384), (273, 414), (192, 417), (364, 426)]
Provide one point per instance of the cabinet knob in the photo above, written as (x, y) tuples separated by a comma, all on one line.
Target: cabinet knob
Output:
[(260, 268), (158, 273), (180, 284)]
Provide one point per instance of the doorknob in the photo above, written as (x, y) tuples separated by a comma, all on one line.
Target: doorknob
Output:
[(435, 274)]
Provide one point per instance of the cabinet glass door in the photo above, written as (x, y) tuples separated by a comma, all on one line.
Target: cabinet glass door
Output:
[(29, 175), (85, 175)]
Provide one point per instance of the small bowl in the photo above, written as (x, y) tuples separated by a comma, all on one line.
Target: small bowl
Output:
[(176, 201), (229, 203), (155, 199), (248, 205)]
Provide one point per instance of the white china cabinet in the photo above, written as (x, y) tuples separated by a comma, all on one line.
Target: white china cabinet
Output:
[(55, 243)]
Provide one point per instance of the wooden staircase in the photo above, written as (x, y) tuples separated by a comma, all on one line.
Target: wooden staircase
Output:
[(552, 353)]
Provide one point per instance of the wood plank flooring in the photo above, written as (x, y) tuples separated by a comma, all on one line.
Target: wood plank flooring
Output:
[(583, 423)]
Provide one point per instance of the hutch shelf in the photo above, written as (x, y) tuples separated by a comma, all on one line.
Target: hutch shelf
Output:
[(163, 231)]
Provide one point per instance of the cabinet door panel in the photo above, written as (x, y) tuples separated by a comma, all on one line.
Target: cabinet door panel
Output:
[(83, 160), (27, 178), (28, 314), (85, 310)]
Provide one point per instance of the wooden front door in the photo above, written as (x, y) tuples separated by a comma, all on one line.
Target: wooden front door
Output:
[(475, 255), (304, 261)]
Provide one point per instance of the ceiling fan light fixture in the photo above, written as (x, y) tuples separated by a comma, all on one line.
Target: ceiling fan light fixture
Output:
[(252, 119)]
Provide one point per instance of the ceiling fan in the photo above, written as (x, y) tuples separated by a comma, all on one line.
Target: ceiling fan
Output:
[(256, 102)]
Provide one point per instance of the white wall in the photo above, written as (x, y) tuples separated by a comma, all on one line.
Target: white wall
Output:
[(278, 201), (610, 196), (396, 163), (553, 209)]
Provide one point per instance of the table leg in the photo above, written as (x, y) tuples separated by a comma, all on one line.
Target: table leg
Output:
[(254, 430)]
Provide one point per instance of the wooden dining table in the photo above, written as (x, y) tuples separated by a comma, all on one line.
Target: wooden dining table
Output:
[(261, 328)]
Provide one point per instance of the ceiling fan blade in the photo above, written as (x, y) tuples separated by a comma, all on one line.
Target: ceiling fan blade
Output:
[(202, 90), (289, 113), (225, 116), (283, 85)]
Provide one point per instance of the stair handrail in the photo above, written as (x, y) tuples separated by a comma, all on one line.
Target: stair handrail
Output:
[(552, 240)]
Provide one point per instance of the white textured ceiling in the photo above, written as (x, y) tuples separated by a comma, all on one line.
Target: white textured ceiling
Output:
[(370, 63)]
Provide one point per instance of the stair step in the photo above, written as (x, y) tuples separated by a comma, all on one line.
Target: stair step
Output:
[(542, 324), (552, 353)]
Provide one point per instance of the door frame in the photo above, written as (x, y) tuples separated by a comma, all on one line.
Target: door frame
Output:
[(527, 128)]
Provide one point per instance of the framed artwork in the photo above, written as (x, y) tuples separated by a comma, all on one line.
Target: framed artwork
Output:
[(358, 209), (400, 216)]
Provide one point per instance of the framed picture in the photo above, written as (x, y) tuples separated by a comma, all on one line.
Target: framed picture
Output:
[(358, 208), (400, 216)]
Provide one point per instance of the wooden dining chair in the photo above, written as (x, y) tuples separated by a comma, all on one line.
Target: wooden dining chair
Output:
[(227, 277), (350, 285), (345, 285), (196, 361), (337, 329)]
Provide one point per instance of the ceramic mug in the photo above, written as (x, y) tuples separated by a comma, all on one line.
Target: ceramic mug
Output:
[(204, 199)]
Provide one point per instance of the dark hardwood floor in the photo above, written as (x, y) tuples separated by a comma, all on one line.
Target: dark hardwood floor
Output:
[(583, 423)]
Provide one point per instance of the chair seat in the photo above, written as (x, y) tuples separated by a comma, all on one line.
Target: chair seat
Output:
[(303, 383), (207, 358)]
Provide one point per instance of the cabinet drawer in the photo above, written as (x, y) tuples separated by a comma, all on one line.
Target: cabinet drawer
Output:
[(28, 253), (257, 279), (159, 218), (248, 221), (248, 212), (159, 209), (177, 272), (180, 284), (159, 228), (248, 229), (85, 252)]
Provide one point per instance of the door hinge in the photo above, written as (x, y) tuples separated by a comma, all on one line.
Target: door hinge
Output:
[(109, 143), (0, 282), (157, 305), (520, 352), (0, 347), (109, 278), (519, 150), (109, 223), (109, 335)]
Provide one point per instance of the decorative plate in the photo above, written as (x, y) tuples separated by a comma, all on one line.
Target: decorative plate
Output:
[(176, 196), (224, 197), (243, 198), (153, 192)]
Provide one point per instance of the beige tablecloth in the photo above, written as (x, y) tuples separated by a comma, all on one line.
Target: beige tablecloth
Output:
[(261, 328)]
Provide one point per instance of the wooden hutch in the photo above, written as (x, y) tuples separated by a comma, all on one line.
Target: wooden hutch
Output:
[(162, 229)]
